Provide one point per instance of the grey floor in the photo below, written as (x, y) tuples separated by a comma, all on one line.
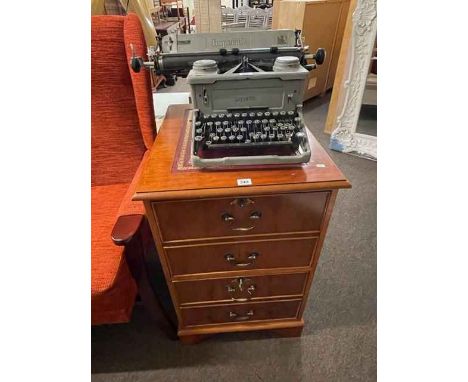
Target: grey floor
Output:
[(339, 337)]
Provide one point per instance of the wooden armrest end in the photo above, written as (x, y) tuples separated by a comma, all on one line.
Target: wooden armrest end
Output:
[(125, 228)]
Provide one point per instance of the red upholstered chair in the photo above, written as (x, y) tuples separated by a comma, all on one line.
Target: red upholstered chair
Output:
[(123, 130)]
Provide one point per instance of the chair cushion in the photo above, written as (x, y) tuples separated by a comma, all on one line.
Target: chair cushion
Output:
[(113, 289)]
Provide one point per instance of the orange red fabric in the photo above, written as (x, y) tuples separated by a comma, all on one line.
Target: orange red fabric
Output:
[(123, 128)]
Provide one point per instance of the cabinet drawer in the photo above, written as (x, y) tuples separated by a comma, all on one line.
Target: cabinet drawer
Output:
[(240, 289), (241, 255), (238, 313), (296, 212)]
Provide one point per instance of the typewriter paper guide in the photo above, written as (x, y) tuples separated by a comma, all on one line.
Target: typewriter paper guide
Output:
[(212, 42)]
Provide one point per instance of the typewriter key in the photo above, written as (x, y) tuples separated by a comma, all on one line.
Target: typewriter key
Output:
[(274, 114), (291, 113), (240, 122), (212, 135), (227, 130), (225, 123), (271, 136), (244, 115), (209, 124), (229, 115), (267, 114), (280, 136), (240, 137), (199, 131), (263, 136), (208, 143), (243, 129), (248, 141), (219, 129), (264, 121), (236, 115), (206, 117), (251, 115), (213, 116), (223, 138), (221, 116), (198, 123), (232, 137), (282, 113), (198, 138), (259, 114), (266, 128), (215, 138), (235, 129), (297, 119)]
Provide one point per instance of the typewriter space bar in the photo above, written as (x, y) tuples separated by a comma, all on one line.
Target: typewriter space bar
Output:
[(248, 145)]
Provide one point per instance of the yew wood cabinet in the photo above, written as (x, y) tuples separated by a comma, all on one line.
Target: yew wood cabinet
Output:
[(238, 246)]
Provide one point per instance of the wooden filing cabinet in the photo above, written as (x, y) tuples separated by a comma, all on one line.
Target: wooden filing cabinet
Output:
[(236, 258)]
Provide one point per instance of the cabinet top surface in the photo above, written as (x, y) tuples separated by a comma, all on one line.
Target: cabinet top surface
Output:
[(168, 173)]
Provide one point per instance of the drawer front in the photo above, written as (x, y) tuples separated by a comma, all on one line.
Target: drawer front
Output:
[(240, 289), (238, 313), (297, 212), (238, 256)]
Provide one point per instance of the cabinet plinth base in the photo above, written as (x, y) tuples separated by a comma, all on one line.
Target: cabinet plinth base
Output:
[(194, 336)]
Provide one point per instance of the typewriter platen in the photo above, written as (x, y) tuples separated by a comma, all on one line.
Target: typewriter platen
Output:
[(247, 100)]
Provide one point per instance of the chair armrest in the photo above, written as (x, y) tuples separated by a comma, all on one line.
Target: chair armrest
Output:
[(125, 228)]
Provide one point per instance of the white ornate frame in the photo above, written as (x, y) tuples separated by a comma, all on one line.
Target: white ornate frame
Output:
[(344, 137)]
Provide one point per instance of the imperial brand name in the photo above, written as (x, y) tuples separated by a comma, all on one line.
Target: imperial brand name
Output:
[(242, 99), (231, 42)]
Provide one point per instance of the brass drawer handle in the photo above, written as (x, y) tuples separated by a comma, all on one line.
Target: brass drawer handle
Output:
[(229, 219), (232, 260), (238, 285), (235, 316)]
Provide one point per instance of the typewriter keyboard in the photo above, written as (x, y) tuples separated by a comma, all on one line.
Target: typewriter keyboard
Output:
[(248, 129)]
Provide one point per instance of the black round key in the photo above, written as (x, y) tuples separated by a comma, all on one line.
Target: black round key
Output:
[(244, 115), (282, 113), (257, 121), (240, 137), (215, 138), (290, 113), (263, 136), (236, 115), (280, 136), (235, 129), (229, 115), (240, 122), (266, 128), (213, 116), (219, 129), (218, 123), (251, 134), (259, 114), (271, 136), (199, 131), (227, 130), (274, 114), (225, 123), (232, 137), (243, 129), (272, 122), (208, 143), (251, 115), (198, 138), (248, 123), (223, 138), (264, 121), (206, 117), (212, 135), (221, 116), (297, 119), (248, 141), (198, 123), (209, 124), (267, 114)]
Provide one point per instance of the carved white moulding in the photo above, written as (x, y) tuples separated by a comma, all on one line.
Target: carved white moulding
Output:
[(344, 137)]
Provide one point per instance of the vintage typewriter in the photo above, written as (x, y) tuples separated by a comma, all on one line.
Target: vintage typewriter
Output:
[(247, 90)]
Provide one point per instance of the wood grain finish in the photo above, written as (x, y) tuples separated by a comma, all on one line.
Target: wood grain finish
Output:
[(232, 313), (240, 289), (229, 217), (222, 279), (277, 253)]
